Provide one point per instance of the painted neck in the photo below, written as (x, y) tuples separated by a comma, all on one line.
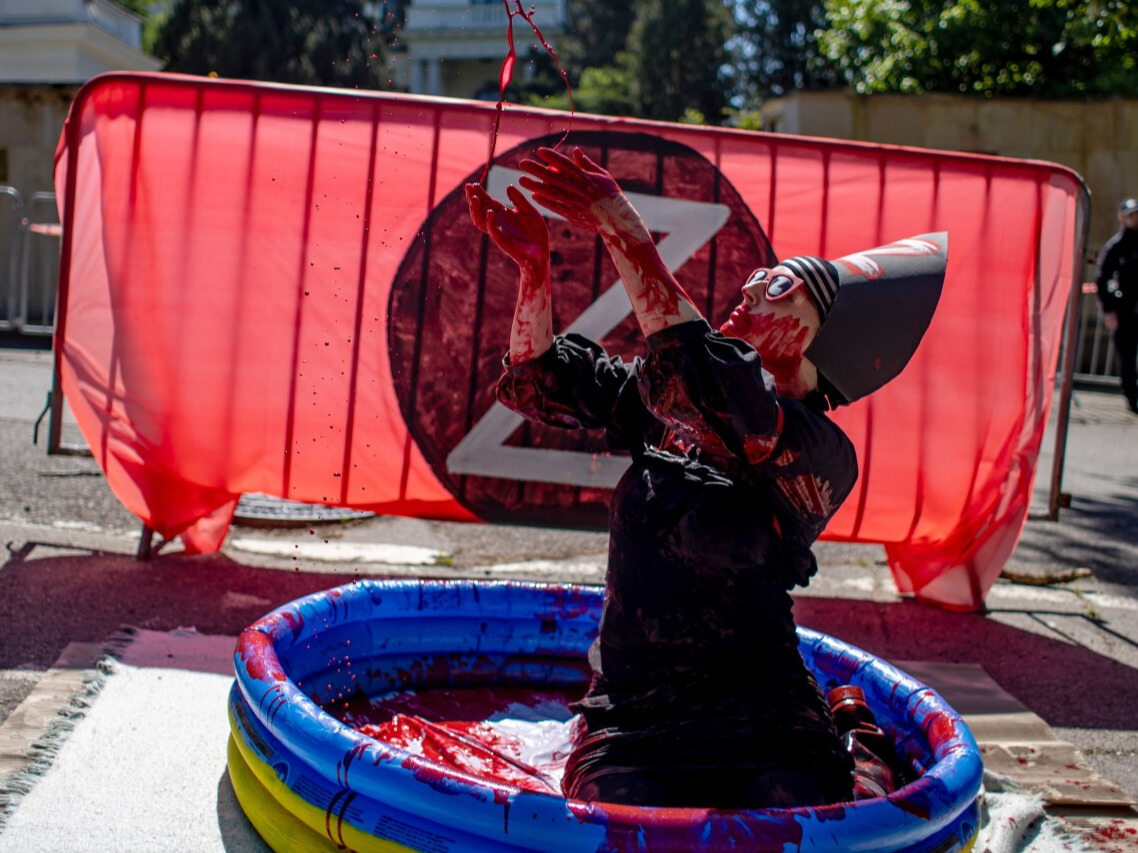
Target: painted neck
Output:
[(795, 380)]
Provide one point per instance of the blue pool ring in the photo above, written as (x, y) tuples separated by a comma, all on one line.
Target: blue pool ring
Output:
[(309, 782)]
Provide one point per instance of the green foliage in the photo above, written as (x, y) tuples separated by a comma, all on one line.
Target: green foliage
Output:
[(661, 59), (1041, 48), (596, 32), (777, 50), (603, 90), (677, 58), (746, 119), (139, 7), (322, 42)]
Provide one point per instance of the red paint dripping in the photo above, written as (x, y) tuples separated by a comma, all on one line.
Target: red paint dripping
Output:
[(259, 657), (506, 75)]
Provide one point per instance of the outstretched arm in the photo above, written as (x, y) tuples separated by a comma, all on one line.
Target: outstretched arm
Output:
[(588, 196), (520, 232)]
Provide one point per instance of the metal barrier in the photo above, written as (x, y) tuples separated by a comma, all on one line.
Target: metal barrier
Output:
[(29, 262), (29, 271), (39, 267), (1094, 349), (12, 225)]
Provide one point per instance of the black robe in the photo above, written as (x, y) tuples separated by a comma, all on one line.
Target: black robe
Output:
[(696, 666)]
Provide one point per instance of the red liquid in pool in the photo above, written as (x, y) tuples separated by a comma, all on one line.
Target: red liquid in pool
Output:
[(514, 736)]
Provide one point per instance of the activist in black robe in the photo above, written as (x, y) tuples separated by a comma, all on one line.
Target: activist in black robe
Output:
[(699, 696)]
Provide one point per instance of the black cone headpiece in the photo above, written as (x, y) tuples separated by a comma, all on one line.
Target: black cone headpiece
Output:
[(875, 306)]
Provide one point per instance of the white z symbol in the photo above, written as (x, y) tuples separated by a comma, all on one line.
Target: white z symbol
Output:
[(483, 451)]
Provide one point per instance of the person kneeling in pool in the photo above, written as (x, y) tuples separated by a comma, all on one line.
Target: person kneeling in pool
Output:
[(699, 696)]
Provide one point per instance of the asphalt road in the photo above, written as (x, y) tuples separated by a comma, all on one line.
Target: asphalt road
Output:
[(1067, 650)]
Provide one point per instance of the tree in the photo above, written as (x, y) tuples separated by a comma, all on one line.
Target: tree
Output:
[(677, 59), (151, 17), (322, 42), (777, 49), (604, 90), (595, 35), (595, 32), (1042, 48), (661, 59)]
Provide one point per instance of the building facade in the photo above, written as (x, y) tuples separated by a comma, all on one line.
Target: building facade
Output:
[(1098, 139), (48, 49), (455, 48)]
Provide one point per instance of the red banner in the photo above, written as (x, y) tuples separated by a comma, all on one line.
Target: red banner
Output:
[(277, 289)]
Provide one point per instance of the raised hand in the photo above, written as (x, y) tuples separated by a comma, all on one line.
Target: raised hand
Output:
[(588, 196), (584, 193), (519, 231)]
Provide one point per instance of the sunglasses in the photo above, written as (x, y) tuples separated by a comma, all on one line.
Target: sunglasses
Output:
[(777, 286)]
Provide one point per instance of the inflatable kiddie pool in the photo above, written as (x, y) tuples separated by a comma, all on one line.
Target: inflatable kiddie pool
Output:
[(308, 781)]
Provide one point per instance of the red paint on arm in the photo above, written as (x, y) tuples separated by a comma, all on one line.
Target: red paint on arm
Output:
[(521, 233), (587, 195)]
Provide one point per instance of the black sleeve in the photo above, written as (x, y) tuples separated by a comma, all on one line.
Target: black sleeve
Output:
[(814, 467), (712, 391), (809, 475), (1107, 269), (573, 384)]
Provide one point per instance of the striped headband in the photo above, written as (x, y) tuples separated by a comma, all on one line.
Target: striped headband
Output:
[(820, 276)]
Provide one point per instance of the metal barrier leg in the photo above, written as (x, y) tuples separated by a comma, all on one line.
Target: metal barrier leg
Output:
[(145, 541)]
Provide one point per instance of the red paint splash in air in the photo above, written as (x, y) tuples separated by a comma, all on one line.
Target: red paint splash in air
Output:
[(506, 75)]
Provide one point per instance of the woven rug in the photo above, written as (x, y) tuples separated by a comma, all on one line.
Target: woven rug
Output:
[(136, 761)]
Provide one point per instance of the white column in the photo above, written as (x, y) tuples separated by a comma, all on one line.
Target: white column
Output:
[(434, 77), (415, 84)]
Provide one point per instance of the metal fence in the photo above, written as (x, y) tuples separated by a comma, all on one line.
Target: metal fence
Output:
[(1094, 349), (29, 262), (29, 270)]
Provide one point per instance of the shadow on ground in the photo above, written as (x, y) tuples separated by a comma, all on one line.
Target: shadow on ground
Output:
[(47, 603), (1066, 684), (1095, 532)]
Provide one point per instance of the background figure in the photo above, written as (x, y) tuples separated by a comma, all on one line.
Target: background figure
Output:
[(1117, 282)]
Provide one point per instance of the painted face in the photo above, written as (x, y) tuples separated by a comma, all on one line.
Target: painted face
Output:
[(777, 317)]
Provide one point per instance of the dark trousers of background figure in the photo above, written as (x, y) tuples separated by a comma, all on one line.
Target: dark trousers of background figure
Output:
[(1126, 347)]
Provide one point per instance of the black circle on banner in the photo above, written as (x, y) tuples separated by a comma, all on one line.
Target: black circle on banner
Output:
[(452, 303)]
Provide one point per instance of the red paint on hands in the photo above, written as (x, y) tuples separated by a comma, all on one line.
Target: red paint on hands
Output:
[(588, 196), (520, 232), (577, 189)]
